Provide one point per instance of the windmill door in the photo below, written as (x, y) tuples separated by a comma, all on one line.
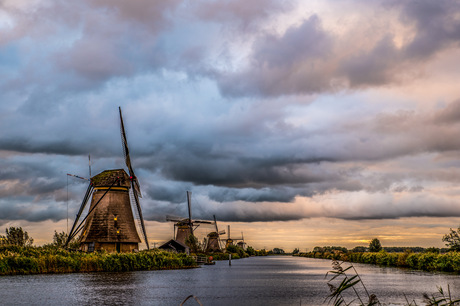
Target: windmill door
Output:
[(118, 247)]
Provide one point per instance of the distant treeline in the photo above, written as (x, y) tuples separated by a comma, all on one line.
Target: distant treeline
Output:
[(33, 260), (425, 260)]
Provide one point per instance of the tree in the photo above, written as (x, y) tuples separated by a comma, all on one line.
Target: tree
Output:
[(250, 250), (192, 243), (375, 245), (278, 251), (318, 249), (296, 251), (432, 250), (17, 236), (232, 249), (359, 249), (453, 240), (59, 239)]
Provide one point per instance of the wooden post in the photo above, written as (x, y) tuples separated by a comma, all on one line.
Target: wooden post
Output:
[(229, 259)]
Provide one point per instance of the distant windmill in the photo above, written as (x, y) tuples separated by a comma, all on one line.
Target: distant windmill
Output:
[(242, 244), (110, 224), (229, 240), (185, 227), (213, 243)]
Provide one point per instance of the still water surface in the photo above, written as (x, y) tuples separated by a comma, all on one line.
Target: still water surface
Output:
[(275, 280)]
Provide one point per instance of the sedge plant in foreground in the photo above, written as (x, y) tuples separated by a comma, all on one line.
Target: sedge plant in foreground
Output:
[(347, 288)]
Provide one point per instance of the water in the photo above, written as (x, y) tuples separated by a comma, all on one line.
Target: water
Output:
[(251, 281)]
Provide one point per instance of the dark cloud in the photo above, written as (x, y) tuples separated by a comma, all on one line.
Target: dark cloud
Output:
[(449, 115), (309, 58), (295, 62), (266, 194), (30, 211), (251, 130), (374, 67), (436, 26), (243, 13)]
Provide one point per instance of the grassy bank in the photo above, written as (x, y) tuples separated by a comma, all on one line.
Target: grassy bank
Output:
[(448, 262), (35, 260)]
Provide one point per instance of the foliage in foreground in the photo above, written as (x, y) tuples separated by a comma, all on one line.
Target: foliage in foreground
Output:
[(448, 262), (347, 287), (33, 260)]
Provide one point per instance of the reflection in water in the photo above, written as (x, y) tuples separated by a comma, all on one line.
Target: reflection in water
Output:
[(109, 288), (252, 281)]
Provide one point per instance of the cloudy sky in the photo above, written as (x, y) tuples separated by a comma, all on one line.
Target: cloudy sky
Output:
[(300, 123)]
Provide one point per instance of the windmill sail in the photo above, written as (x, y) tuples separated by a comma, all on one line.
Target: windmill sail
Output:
[(134, 182)]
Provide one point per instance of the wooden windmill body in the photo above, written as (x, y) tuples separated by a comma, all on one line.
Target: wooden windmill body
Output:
[(111, 226), (110, 223)]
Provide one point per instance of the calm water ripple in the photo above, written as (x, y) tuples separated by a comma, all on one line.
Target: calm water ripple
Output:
[(252, 281)]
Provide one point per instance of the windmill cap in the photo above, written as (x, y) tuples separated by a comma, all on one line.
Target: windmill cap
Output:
[(107, 177)]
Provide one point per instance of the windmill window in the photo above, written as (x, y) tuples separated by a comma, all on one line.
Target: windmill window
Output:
[(115, 218), (118, 231)]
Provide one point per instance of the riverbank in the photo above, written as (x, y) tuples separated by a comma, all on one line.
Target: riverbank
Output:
[(448, 262), (40, 260)]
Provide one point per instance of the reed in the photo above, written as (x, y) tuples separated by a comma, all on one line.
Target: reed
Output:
[(448, 262), (33, 260), (347, 288)]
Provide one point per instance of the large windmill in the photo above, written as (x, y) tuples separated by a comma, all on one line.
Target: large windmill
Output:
[(110, 224), (183, 228), (213, 243)]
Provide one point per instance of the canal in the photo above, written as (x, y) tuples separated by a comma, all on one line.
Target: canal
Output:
[(274, 280)]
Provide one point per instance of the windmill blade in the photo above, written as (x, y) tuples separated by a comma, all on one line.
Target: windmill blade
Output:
[(124, 142), (215, 223), (82, 178), (141, 217), (201, 222), (82, 207), (222, 232), (189, 203), (134, 182), (174, 218)]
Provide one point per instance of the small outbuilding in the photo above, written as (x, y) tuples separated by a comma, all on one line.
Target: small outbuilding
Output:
[(175, 246)]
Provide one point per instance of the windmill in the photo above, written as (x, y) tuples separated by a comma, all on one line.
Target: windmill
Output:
[(213, 243), (229, 241), (242, 244), (109, 224), (185, 227)]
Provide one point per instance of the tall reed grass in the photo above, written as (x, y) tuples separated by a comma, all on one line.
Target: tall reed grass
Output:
[(33, 260), (448, 262), (347, 288)]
